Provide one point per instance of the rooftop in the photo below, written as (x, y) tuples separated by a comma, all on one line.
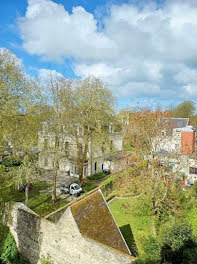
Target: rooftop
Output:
[(171, 123), (96, 222)]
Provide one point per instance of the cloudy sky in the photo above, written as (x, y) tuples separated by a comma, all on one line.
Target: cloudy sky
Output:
[(145, 50)]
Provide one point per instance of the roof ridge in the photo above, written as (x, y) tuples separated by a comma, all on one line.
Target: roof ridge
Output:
[(84, 198)]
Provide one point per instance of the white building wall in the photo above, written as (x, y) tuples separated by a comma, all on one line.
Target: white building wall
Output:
[(94, 155)]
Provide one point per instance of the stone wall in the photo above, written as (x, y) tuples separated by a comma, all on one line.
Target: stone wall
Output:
[(36, 237)]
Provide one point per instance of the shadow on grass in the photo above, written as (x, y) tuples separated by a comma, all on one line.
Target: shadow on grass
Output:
[(42, 202), (129, 238)]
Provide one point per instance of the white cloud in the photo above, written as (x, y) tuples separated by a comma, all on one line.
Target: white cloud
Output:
[(45, 74), (9, 57), (147, 51)]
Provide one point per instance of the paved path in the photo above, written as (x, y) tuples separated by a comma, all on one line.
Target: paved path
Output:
[(61, 178)]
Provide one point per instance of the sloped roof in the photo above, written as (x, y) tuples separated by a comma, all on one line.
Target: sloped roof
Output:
[(171, 123), (95, 221)]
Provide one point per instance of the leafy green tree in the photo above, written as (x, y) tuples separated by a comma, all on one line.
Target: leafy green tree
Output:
[(80, 109), (21, 110), (184, 109), (92, 110), (178, 245)]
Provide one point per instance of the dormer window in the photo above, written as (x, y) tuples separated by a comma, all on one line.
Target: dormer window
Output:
[(45, 143), (66, 147)]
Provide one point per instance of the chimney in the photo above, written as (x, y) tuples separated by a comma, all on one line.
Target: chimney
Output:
[(187, 141)]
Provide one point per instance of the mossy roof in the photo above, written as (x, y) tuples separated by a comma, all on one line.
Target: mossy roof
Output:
[(95, 221)]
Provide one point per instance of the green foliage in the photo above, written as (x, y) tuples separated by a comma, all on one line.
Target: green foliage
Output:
[(141, 206), (2, 168), (88, 187), (185, 109), (11, 161), (10, 254), (46, 206), (192, 219), (195, 188), (97, 176), (4, 230), (109, 180), (177, 243), (151, 253), (46, 260)]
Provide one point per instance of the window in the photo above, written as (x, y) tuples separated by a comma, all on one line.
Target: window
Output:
[(56, 142), (111, 145), (84, 170), (192, 170), (103, 148), (80, 148), (95, 166), (102, 167), (80, 131), (45, 143), (180, 123), (45, 161), (67, 148)]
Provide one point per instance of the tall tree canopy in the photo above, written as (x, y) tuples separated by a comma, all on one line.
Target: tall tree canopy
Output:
[(83, 108), (184, 109)]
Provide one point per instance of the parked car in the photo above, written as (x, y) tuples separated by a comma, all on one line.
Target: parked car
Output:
[(73, 189), (106, 171), (23, 185)]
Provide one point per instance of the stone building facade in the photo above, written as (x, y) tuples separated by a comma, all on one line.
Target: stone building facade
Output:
[(86, 233), (97, 159), (176, 145)]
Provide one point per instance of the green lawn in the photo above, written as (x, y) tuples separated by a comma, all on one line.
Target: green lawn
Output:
[(192, 219), (39, 202), (135, 229)]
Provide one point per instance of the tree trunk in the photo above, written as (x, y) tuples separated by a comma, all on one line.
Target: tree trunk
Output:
[(54, 195), (55, 171), (27, 194), (82, 159), (154, 214), (81, 181)]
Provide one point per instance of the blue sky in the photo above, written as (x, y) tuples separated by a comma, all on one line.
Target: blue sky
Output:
[(145, 50)]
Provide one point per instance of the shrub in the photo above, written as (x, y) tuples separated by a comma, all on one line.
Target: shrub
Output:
[(11, 161), (2, 168), (97, 176), (46, 260), (151, 252), (10, 254), (177, 244), (88, 187), (195, 188)]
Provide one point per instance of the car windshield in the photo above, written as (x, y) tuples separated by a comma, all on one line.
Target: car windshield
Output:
[(77, 187)]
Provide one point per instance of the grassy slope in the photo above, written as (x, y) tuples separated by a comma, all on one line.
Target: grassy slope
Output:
[(38, 201), (135, 229)]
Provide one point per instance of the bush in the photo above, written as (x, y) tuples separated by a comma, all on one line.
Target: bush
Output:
[(2, 168), (88, 187), (10, 254), (46, 260), (195, 188), (151, 252), (177, 244), (97, 176), (11, 161)]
